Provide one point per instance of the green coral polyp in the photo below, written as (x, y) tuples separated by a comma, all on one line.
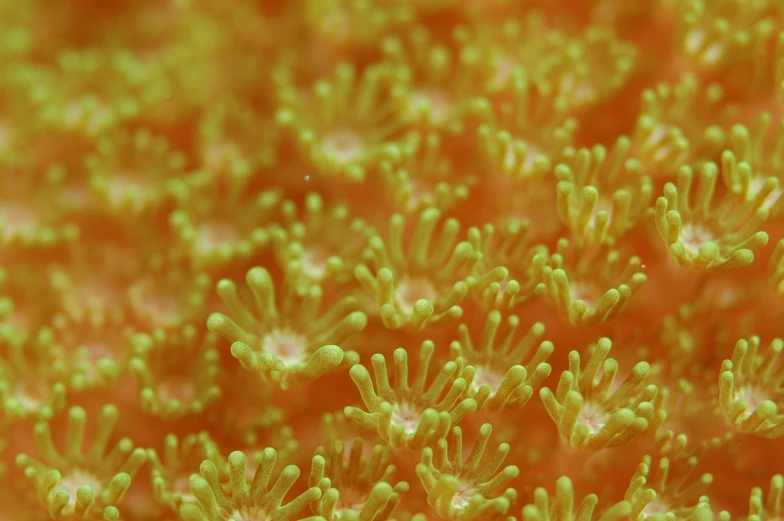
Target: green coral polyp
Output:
[(526, 134), (424, 176), (32, 377), (432, 91), (79, 484), (677, 447), (170, 294), (496, 379), (496, 51), (93, 347), (26, 222), (74, 95), (177, 374), (602, 195), (762, 150), (261, 499), (368, 492), (509, 274), (346, 125), (129, 172), (704, 233), (287, 340), (423, 284), (750, 395), (580, 293), (665, 496), (670, 129), (216, 231), (563, 506), (588, 414), (235, 139), (180, 459), (324, 239), (589, 68), (410, 416), (467, 490)]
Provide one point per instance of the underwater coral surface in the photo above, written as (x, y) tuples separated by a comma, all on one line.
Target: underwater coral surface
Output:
[(360, 260)]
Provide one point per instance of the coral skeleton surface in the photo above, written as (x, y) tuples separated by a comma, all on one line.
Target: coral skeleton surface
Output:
[(370, 260)]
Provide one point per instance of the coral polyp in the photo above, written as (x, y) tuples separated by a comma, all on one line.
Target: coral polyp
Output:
[(260, 499), (424, 284), (76, 483), (283, 344), (405, 415), (467, 260), (471, 489)]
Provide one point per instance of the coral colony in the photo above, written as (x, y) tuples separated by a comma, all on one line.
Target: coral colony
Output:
[(368, 260)]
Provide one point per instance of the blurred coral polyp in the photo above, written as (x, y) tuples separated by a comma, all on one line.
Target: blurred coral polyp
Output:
[(369, 260)]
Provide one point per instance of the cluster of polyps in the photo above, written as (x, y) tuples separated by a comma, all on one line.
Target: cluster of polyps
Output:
[(357, 236)]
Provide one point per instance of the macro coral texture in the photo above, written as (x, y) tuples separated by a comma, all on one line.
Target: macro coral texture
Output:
[(363, 260)]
